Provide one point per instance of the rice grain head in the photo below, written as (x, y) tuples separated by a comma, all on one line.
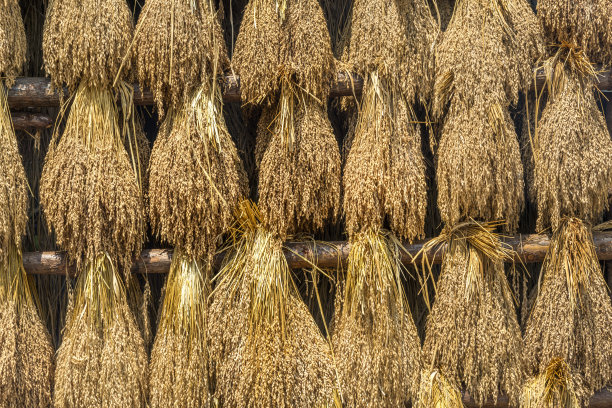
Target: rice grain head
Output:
[(375, 341), (196, 178), (573, 312), (472, 336), (13, 43), (177, 44), (265, 347), (102, 360), (487, 54), (285, 43), (179, 371), (572, 146), (299, 186), (384, 175), (95, 55), (479, 168), (584, 24), (87, 171)]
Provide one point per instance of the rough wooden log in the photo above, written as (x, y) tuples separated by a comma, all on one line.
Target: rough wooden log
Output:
[(27, 120), (38, 92), (529, 248)]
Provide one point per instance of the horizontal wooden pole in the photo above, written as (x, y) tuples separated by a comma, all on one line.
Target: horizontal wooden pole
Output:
[(529, 248), (27, 120), (36, 91)]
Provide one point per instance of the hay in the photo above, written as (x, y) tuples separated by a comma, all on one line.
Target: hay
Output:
[(266, 348), (437, 391), (179, 360), (88, 189), (572, 147), (291, 44), (484, 140), (177, 44), (196, 178), (556, 387), (377, 347), (299, 187), (13, 43), (395, 39), (102, 360), (487, 54), (472, 336), (384, 175), (583, 24), (572, 316), (94, 56)]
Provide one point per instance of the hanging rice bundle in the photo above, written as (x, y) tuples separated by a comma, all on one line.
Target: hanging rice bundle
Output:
[(586, 25), (572, 314), (90, 192), (196, 184), (473, 339), (375, 340), (266, 347), (174, 45), (26, 352)]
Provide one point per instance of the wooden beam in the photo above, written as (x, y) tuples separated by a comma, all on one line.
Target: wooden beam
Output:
[(27, 120), (529, 248), (37, 91)]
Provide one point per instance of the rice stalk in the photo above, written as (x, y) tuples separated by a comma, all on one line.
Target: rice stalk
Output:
[(472, 334), (374, 337), (265, 347), (436, 391), (572, 314), (13, 42), (102, 361), (553, 388), (177, 44), (179, 372), (93, 57)]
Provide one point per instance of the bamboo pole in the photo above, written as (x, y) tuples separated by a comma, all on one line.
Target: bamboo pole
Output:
[(333, 255)]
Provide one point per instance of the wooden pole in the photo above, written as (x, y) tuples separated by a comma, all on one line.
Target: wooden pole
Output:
[(26, 120), (529, 248)]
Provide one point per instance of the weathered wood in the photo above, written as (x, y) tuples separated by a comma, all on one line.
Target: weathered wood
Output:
[(27, 120), (529, 248)]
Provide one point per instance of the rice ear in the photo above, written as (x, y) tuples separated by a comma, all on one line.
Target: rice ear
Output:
[(13, 43)]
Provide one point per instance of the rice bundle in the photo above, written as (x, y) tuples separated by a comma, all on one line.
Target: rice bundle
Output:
[(265, 346), (374, 337), (586, 25), (26, 352), (92, 199), (196, 183), (484, 61), (570, 320)]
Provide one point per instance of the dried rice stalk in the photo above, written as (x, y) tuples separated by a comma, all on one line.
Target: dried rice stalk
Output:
[(375, 340), (487, 54), (479, 168), (266, 348), (438, 392), (554, 388), (85, 42), (12, 41), (177, 45), (473, 338), (384, 176), (102, 361), (572, 316), (196, 177), (179, 360), (299, 180), (88, 172), (572, 150), (395, 39), (283, 41), (583, 24)]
